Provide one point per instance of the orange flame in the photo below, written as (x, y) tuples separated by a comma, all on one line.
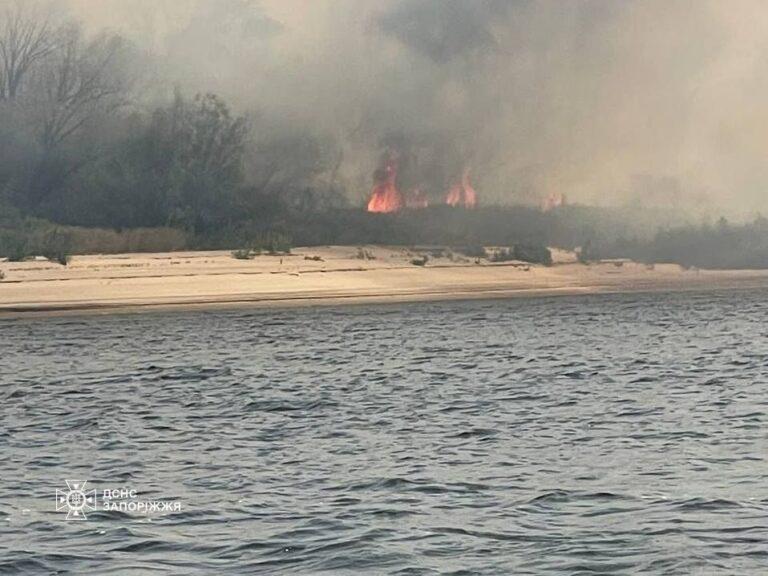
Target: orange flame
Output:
[(462, 194), (553, 201), (385, 196)]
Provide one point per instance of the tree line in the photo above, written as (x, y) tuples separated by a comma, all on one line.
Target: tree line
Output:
[(82, 141), (88, 150)]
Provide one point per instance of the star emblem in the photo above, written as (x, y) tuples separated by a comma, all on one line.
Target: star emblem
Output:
[(76, 500)]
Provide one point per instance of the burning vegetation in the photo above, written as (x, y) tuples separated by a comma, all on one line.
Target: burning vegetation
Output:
[(552, 201), (385, 196), (390, 194), (462, 193)]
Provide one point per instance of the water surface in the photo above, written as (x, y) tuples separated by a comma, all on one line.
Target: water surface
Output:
[(587, 435)]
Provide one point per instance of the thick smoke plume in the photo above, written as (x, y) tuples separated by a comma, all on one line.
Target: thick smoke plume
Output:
[(657, 102)]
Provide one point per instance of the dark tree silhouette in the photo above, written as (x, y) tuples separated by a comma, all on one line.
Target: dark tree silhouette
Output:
[(24, 42)]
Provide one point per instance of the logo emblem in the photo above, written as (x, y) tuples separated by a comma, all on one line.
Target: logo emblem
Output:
[(76, 500)]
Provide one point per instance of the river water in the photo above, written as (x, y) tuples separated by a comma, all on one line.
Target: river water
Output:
[(623, 434)]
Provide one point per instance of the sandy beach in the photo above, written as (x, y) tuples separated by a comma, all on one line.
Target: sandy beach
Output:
[(326, 275)]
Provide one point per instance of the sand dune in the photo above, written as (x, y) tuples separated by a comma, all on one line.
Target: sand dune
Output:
[(328, 275)]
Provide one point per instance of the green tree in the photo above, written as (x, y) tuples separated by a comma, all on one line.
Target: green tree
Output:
[(205, 163)]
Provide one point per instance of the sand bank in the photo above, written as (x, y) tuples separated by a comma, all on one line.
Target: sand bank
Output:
[(328, 275)]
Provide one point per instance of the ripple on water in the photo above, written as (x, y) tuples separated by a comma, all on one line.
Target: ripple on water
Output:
[(595, 435)]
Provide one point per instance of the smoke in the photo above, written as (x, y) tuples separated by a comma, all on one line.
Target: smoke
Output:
[(445, 30), (659, 103)]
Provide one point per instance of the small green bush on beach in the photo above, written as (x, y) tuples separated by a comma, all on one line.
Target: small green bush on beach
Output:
[(503, 255), (363, 254), (533, 253), (35, 238), (273, 243), (244, 254)]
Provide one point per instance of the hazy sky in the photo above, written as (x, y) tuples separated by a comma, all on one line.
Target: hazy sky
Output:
[(598, 99)]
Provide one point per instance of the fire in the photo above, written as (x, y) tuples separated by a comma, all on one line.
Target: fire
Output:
[(553, 201), (385, 196), (462, 194)]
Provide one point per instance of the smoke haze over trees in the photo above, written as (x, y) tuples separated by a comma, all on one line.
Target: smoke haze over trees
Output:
[(582, 97), (203, 115)]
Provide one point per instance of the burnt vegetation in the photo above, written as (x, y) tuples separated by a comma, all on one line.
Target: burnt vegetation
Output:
[(89, 165)]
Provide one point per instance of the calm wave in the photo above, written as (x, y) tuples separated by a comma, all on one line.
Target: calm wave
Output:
[(593, 435)]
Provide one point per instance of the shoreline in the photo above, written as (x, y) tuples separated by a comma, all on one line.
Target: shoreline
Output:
[(323, 276)]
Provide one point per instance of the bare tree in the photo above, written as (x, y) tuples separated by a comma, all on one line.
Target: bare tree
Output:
[(77, 82), (24, 42)]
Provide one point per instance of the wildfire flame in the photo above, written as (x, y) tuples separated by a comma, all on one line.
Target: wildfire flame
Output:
[(462, 193), (553, 201), (385, 196)]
